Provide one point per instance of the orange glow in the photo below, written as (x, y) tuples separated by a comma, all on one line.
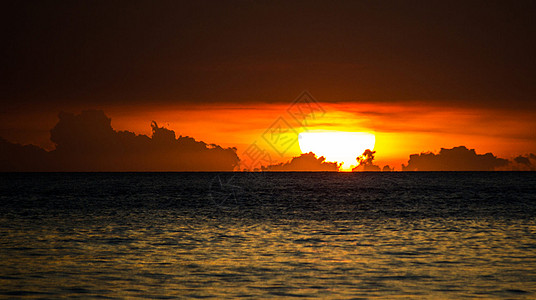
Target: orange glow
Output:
[(399, 129), (337, 146)]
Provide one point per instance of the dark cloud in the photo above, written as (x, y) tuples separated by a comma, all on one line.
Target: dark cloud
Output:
[(455, 159), (87, 142), (365, 162), (387, 168), (16, 157), (522, 163), (305, 162), (522, 160)]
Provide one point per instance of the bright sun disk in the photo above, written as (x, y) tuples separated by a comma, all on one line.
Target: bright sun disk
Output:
[(340, 146)]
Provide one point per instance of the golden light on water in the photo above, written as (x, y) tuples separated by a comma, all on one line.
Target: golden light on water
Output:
[(340, 146)]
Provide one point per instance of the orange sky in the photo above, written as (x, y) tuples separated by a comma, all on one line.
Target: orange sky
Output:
[(400, 130)]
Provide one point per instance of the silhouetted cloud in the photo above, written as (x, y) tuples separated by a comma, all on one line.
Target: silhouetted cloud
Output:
[(87, 142), (522, 163), (365, 162), (387, 168), (522, 160), (455, 159), (305, 162), (16, 157)]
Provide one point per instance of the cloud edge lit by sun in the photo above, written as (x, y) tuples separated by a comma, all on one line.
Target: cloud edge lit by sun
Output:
[(337, 146)]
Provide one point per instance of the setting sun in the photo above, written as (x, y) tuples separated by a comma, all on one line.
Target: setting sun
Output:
[(340, 146)]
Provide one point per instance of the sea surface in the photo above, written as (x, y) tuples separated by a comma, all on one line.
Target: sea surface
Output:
[(268, 235)]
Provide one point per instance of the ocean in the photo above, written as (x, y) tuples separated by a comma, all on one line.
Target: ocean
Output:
[(390, 235)]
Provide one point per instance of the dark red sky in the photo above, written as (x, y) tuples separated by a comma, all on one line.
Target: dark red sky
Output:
[(480, 53)]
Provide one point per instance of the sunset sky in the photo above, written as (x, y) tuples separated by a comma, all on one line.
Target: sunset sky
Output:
[(419, 75)]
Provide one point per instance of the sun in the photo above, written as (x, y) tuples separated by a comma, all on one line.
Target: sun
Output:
[(340, 146)]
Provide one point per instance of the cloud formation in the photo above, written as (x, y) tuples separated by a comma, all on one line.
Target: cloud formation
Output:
[(365, 162), (305, 162), (522, 163), (87, 142), (16, 157), (455, 159)]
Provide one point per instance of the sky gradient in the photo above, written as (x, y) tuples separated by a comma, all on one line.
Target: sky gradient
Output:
[(420, 75)]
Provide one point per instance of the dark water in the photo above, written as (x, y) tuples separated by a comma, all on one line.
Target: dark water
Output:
[(323, 235)]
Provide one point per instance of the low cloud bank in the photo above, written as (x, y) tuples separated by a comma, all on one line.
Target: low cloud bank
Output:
[(455, 159), (522, 163), (87, 142), (305, 162)]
